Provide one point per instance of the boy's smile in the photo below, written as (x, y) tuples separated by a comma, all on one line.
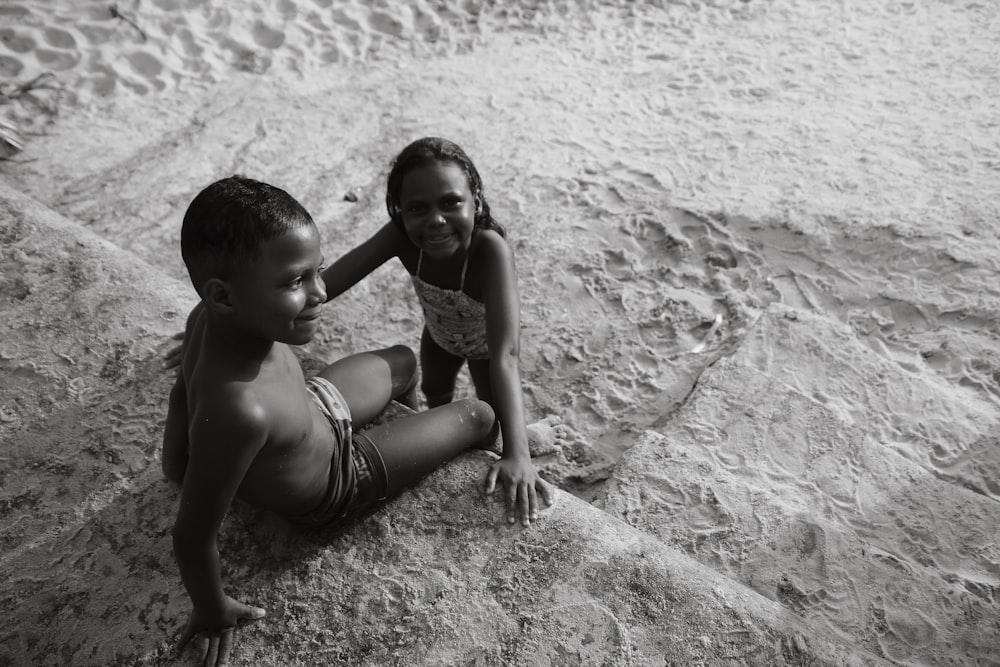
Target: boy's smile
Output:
[(279, 295), (438, 209)]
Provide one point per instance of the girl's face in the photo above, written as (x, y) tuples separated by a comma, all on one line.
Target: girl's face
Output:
[(438, 209)]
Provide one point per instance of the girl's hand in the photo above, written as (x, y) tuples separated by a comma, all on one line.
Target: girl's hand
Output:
[(522, 488), (214, 647), (172, 359)]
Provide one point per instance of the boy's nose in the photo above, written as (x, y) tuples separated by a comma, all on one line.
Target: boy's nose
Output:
[(318, 291)]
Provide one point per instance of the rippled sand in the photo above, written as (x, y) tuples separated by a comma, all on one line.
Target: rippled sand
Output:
[(670, 174)]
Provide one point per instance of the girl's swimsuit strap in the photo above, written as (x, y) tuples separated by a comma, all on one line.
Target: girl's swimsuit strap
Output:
[(465, 266)]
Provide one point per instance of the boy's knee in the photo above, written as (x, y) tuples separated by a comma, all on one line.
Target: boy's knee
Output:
[(402, 366), (404, 354), (400, 358), (404, 362), (481, 413)]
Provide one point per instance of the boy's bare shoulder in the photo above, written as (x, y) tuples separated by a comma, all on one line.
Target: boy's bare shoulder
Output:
[(228, 412)]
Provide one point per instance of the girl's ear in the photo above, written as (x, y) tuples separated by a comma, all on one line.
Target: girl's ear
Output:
[(217, 296)]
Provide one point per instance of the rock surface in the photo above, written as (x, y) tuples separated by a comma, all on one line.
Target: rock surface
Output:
[(435, 578), (786, 483)]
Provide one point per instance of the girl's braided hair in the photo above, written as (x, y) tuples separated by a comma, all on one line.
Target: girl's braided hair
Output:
[(429, 150)]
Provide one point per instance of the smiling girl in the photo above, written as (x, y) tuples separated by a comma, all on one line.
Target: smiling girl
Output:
[(463, 272)]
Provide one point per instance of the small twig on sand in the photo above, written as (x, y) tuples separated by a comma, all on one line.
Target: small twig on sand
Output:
[(116, 14), (10, 136), (16, 90)]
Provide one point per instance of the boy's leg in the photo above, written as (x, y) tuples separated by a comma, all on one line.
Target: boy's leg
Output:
[(415, 446), (440, 370), (369, 380)]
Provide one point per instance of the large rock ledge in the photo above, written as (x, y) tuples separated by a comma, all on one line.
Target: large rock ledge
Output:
[(857, 493), (435, 578)]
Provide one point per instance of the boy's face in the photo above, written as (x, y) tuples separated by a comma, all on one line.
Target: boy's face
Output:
[(279, 295)]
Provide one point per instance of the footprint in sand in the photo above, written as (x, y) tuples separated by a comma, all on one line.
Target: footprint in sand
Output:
[(651, 232), (10, 67)]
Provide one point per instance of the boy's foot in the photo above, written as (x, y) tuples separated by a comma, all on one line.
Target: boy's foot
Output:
[(546, 436)]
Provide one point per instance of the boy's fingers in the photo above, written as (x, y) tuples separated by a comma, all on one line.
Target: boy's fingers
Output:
[(252, 613), (202, 645), (185, 638), (225, 646), (213, 651), (532, 502)]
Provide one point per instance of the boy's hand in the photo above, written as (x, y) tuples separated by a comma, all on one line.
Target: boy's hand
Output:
[(216, 644), (522, 488)]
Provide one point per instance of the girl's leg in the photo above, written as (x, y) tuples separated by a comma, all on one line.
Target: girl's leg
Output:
[(369, 380), (415, 446), (479, 369), (440, 370)]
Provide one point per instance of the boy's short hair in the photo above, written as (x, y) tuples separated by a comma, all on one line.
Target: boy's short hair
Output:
[(228, 221)]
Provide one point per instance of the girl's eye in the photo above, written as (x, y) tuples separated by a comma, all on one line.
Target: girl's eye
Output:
[(415, 208)]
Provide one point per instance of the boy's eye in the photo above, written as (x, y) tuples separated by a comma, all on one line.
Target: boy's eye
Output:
[(297, 282)]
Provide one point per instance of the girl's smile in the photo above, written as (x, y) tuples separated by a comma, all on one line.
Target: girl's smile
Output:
[(438, 209)]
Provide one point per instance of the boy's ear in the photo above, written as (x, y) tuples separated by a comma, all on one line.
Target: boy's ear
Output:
[(217, 295)]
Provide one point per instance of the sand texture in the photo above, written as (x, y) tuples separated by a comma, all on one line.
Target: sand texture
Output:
[(757, 248)]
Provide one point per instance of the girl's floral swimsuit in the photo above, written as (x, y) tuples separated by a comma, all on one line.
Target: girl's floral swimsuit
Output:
[(455, 320)]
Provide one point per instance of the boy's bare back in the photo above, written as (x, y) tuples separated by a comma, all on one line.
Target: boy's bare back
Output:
[(256, 416)]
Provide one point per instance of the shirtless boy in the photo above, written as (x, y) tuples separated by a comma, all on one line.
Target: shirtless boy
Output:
[(244, 423)]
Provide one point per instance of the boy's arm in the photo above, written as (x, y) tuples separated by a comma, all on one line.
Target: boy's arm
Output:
[(174, 457), (225, 438), (348, 270), (522, 485)]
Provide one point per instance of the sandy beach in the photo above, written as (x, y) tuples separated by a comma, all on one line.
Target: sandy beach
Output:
[(757, 253)]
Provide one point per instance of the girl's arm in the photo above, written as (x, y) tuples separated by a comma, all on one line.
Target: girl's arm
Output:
[(342, 275), (503, 333)]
